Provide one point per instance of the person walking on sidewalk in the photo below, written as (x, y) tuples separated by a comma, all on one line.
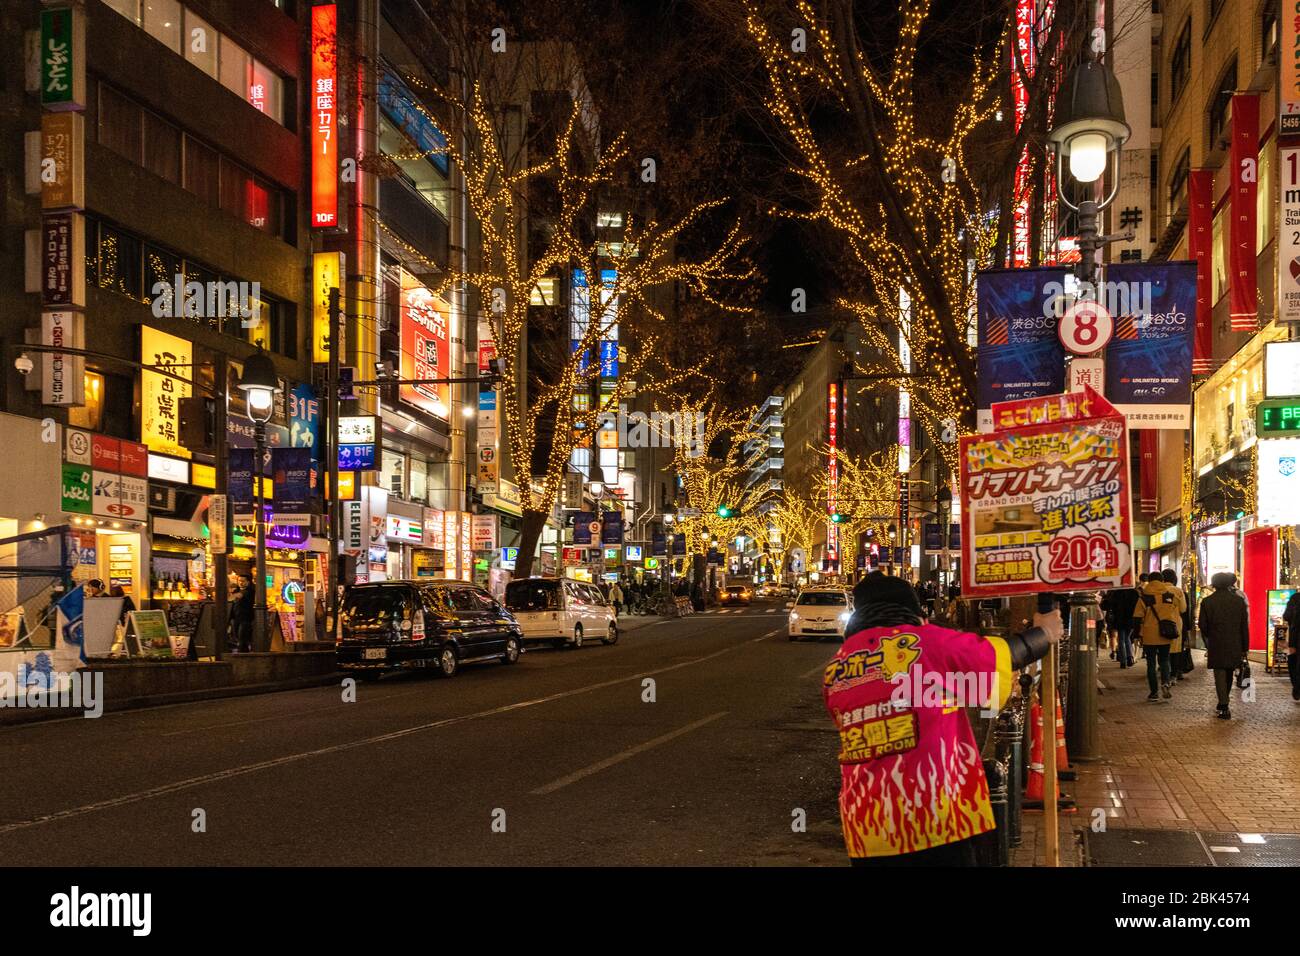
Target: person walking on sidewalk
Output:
[(1224, 621), (1122, 602), (1159, 617), (616, 598), (1180, 657), (912, 785), (1291, 616)]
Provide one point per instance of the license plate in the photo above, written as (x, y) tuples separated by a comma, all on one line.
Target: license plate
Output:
[(374, 653)]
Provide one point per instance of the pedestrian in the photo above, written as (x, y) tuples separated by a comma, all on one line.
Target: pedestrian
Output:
[(94, 588), (1123, 601), (616, 597), (1225, 627), (127, 604), (1291, 616), (1180, 661), (912, 785), (241, 616), (1159, 615)]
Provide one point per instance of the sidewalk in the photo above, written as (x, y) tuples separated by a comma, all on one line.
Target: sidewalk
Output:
[(1173, 765), (627, 623)]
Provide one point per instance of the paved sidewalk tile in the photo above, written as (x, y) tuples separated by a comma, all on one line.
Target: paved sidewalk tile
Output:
[(1173, 764)]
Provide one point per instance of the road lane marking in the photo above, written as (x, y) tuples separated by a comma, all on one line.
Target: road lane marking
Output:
[(623, 755), (274, 762)]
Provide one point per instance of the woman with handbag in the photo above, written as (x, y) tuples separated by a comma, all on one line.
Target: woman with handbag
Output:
[(1225, 626), (1159, 617)]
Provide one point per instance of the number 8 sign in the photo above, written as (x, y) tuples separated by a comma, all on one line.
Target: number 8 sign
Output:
[(1085, 328)]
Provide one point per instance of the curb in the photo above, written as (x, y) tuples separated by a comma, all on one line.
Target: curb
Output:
[(19, 716)]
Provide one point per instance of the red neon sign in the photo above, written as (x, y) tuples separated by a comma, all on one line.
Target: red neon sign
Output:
[(324, 117), (833, 466)]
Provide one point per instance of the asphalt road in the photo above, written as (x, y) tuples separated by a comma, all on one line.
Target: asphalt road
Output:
[(561, 752)]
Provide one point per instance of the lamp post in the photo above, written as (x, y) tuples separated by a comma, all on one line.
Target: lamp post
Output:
[(1089, 131), (260, 384), (944, 497)]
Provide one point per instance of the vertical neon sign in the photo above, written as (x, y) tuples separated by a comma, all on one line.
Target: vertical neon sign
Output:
[(324, 116)]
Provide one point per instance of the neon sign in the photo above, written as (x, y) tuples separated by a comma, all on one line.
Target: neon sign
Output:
[(324, 117)]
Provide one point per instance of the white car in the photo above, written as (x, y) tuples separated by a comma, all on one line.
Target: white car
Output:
[(820, 612), (561, 611)]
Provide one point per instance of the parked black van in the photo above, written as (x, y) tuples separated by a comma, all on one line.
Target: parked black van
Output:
[(442, 624)]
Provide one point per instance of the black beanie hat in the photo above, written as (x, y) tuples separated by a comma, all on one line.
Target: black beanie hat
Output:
[(880, 588)]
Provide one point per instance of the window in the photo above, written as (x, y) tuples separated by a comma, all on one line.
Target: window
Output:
[(162, 148), (201, 43), (119, 262), (128, 8), (202, 172), (1265, 203), (236, 67), (1178, 181), (160, 271), (1215, 6), (120, 123), (1180, 64), (418, 475), (1220, 105), (235, 181), (1219, 256), (1268, 30), (162, 21), (265, 91)]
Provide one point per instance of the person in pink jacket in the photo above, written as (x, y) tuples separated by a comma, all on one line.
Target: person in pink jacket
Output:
[(912, 789)]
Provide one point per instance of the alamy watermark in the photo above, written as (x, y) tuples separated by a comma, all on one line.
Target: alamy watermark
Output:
[(918, 688), (1118, 298), (658, 429), (208, 300), (57, 690)]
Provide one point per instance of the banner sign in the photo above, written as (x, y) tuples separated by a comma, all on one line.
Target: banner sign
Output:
[(1289, 86), (1149, 361), (1200, 247), (1020, 355), (160, 395), (219, 523), (304, 419), (1243, 305), (679, 545), (63, 377), (484, 532), (659, 544), (63, 260), (582, 527), (324, 116), (611, 527), (425, 351), (76, 489), (240, 484), (63, 59), (328, 270), (1278, 495), (1288, 235), (291, 485), (1046, 507), (63, 168)]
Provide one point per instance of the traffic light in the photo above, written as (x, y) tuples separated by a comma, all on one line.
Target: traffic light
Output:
[(198, 424), (838, 517), (726, 511)]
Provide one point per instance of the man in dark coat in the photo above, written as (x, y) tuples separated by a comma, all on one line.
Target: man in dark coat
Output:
[(1292, 618), (1224, 623), (1119, 606)]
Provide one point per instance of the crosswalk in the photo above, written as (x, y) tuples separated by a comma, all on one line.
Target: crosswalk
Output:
[(740, 610)]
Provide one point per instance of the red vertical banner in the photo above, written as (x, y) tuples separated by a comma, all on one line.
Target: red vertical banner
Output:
[(1243, 307), (323, 116), (1259, 576), (1200, 247), (1149, 448)]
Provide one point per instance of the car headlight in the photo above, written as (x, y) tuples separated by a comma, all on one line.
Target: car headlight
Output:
[(844, 618), (794, 615)]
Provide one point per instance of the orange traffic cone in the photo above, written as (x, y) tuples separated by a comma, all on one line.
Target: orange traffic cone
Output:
[(1034, 788), (1063, 769)]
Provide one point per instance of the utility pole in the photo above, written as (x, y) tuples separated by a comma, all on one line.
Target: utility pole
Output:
[(220, 569), (333, 575)]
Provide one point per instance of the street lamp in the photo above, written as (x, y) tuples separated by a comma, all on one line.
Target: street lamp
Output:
[(260, 384), (1090, 129)]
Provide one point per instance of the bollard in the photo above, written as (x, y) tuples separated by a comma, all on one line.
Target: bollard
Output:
[(993, 848), (1081, 702), (1008, 734)]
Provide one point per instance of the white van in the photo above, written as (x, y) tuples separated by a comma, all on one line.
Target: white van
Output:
[(562, 611)]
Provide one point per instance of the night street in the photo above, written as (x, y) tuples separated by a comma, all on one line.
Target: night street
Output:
[(412, 772)]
